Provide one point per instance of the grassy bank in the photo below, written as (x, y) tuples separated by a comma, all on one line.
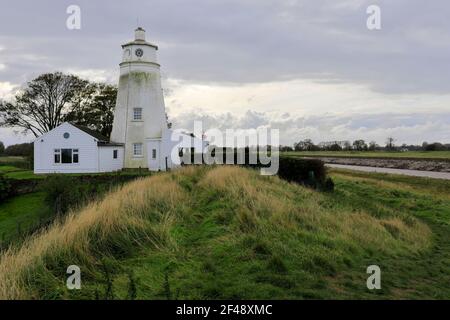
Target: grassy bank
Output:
[(413, 155), (227, 232), (6, 159), (20, 213)]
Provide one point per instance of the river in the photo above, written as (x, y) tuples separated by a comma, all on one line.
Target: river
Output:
[(414, 173)]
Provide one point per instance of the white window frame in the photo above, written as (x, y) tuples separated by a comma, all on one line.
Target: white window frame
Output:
[(75, 152), (137, 114), (137, 147), (115, 153), (58, 151), (55, 153), (154, 153)]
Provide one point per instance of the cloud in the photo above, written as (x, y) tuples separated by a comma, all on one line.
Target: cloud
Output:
[(246, 41), (7, 90), (411, 128), (95, 75), (313, 61)]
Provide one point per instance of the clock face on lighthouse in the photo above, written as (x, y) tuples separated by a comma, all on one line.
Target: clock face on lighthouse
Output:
[(139, 52)]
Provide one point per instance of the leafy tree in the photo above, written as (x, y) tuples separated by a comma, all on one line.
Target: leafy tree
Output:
[(305, 145), (20, 150), (54, 98), (44, 103), (359, 145), (97, 111), (2, 148), (436, 146), (373, 146), (335, 147), (347, 146), (286, 148)]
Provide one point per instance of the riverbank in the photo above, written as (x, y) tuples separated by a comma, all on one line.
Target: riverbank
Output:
[(406, 172), (419, 165)]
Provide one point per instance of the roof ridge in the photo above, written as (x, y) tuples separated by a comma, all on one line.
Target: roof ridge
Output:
[(90, 132)]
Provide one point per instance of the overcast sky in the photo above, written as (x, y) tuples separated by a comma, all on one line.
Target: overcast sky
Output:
[(310, 68)]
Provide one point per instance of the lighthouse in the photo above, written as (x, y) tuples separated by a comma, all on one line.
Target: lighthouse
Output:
[(140, 117), (140, 136)]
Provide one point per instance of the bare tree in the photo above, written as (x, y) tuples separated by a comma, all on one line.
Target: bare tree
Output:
[(45, 101), (390, 143)]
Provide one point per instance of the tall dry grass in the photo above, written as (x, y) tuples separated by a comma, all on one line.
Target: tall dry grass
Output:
[(140, 212), (143, 212), (267, 203)]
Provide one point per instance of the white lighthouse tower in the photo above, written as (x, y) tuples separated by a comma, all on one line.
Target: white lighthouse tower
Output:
[(140, 117)]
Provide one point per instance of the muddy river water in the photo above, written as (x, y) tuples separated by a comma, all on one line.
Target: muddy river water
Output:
[(415, 173)]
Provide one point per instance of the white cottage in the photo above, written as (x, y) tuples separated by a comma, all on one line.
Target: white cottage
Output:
[(71, 148), (140, 136)]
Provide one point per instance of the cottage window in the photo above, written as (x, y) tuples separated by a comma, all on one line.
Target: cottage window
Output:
[(57, 153), (65, 155), (153, 153), (115, 154), (75, 155)]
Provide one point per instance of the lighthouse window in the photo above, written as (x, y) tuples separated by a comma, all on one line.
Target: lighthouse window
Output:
[(137, 114), (137, 149)]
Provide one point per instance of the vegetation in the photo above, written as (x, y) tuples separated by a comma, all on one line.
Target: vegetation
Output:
[(227, 232), (361, 145), (19, 162), (52, 196), (5, 187), (7, 159), (19, 150), (65, 192), (15, 168), (53, 98), (19, 214), (310, 172)]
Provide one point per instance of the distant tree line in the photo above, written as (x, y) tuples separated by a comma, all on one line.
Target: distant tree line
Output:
[(21, 150), (362, 145)]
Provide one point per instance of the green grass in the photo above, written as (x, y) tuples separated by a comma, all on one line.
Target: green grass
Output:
[(8, 168), (428, 155), (21, 212), (228, 233), (424, 275), (282, 266), (24, 175), (4, 159), (13, 172)]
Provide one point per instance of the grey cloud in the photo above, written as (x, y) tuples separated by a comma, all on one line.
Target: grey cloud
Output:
[(241, 41), (406, 128)]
